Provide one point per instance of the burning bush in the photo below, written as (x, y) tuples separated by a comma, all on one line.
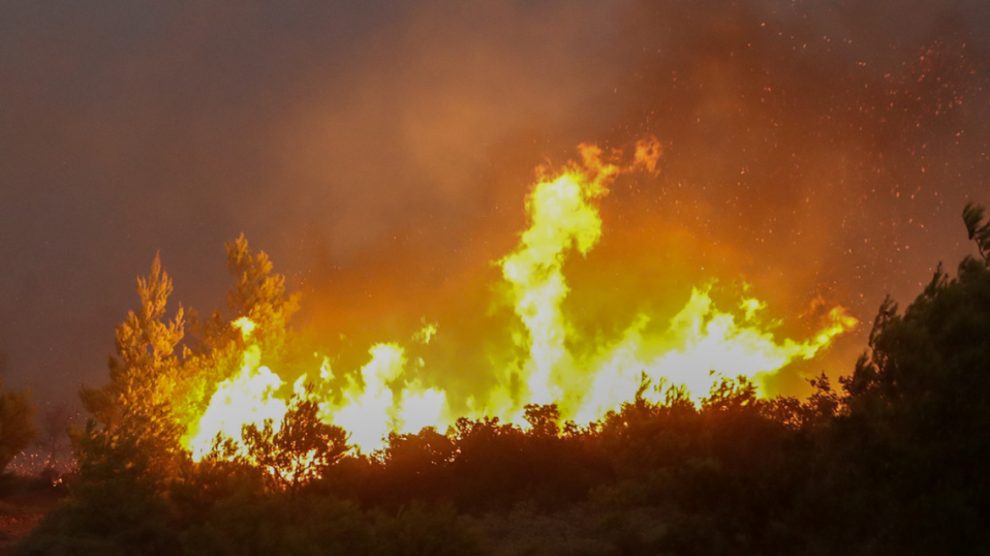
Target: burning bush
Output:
[(197, 444), (232, 391)]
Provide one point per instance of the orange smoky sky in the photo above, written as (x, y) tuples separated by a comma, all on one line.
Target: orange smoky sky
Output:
[(381, 153)]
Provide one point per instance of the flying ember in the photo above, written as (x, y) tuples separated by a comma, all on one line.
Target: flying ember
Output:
[(692, 350)]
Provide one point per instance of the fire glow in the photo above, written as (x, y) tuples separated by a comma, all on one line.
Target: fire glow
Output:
[(693, 350)]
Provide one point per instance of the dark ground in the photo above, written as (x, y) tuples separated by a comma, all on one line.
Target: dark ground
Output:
[(23, 503)]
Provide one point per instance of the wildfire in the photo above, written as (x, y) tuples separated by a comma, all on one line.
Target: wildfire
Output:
[(248, 398), (692, 350)]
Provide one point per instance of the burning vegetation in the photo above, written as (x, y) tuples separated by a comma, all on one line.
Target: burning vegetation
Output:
[(634, 351), (203, 443), (221, 435), (230, 394)]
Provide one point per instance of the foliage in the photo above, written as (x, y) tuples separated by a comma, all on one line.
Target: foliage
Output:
[(913, 442), (301, 450), (978, 230), (259, 293), (129, 450), (132, 427), (214, 348)]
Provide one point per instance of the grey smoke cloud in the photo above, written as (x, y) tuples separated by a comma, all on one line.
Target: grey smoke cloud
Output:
[(821, 144)]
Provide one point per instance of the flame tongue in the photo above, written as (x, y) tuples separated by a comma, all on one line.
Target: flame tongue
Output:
[(699, 344), (561, 217), (248, 398)]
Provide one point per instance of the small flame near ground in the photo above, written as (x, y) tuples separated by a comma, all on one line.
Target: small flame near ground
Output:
[(692, 351)]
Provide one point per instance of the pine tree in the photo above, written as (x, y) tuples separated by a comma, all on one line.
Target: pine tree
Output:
[(259, 293), (911, 447), (132, 416)]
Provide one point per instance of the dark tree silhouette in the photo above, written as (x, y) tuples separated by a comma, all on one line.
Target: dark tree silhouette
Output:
[(911, 447), (978, 230), (303, 448)]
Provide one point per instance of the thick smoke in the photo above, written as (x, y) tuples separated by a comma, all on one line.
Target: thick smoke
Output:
[(381, 154)]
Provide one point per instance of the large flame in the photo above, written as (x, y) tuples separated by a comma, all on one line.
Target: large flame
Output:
[(248, 398), (692, 350)]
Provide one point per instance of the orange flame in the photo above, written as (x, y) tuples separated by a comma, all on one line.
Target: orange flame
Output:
[(692, 350)]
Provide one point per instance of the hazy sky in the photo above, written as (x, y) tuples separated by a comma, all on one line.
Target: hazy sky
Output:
[(381, 149)]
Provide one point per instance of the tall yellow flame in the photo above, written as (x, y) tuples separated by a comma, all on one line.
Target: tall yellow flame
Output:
[(248, 398), (693, 349)]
